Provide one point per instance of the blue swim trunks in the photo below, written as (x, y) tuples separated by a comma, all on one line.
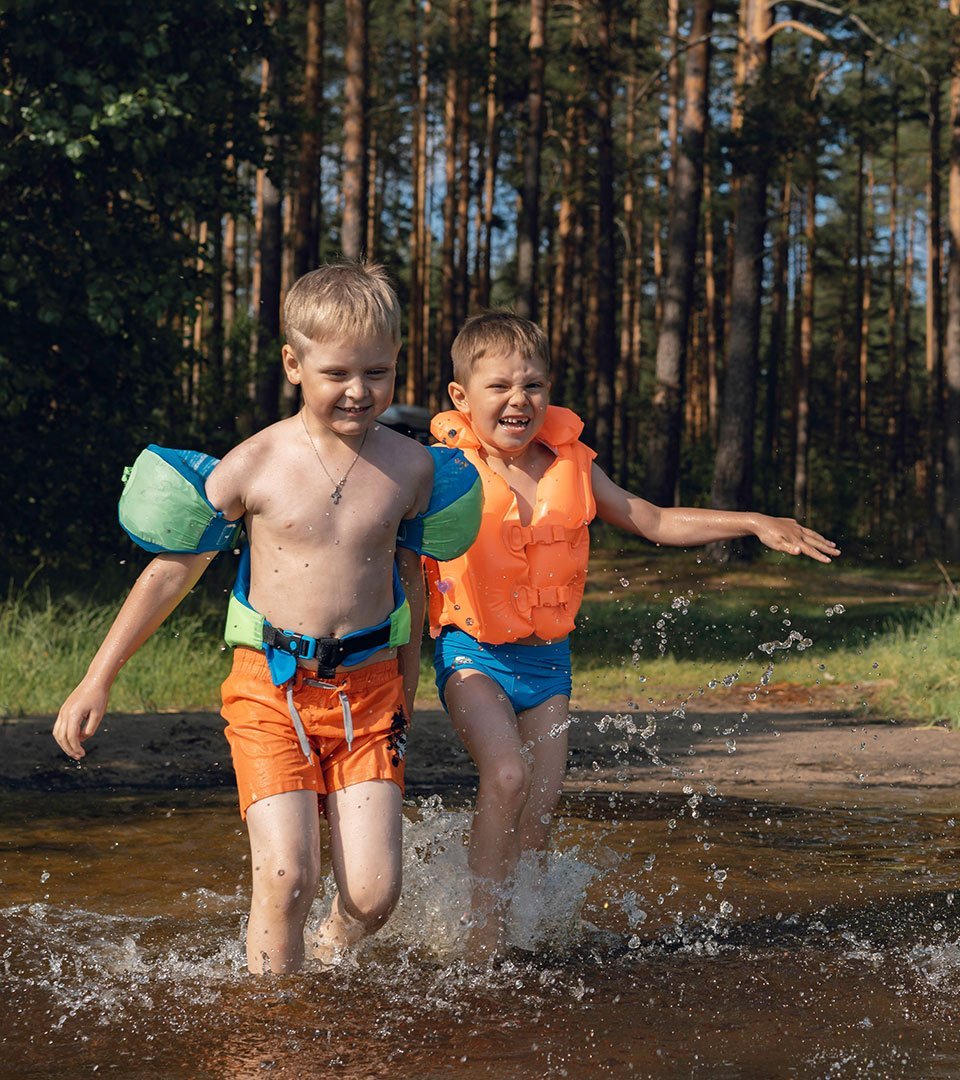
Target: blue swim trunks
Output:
[(527, 674)]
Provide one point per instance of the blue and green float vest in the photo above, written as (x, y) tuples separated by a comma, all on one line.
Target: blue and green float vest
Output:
[(164, 508)]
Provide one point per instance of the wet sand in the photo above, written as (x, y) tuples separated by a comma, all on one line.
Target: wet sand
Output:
[(787, 748)]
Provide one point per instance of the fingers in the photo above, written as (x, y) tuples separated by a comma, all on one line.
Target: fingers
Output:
[(814, 546), (72, 726)]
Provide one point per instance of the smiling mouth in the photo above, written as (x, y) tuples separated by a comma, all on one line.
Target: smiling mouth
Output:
[(354, 410), (515, 423)]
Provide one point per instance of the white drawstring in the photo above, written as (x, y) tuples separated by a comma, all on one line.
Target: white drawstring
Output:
[(298, 723)]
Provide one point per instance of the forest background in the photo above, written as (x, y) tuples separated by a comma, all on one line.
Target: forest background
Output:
[(739, 224)]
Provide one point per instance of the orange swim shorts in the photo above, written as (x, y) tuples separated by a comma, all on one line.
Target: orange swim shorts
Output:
[(267, 757)]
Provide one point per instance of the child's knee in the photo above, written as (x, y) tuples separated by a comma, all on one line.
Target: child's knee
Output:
[(509, 781), (373, 904), (286, 886)]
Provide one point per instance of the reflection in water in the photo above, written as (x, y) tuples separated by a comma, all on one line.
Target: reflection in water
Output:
[(752, 940)]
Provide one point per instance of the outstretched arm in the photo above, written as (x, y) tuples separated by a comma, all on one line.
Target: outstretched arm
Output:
[(687, 526), (159, 589)]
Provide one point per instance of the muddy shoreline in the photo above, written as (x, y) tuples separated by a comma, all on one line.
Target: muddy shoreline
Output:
[(804, 755)]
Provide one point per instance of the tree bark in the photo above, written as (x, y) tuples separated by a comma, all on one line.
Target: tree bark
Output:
[(951, 537), (528, 240), (778, 327), (934, 315), (451, 116), (309, 180), (733, 468), (606, 354), (354, 227), (801, 390), (490, 155), (415, 389), (663, 459), (268, 270)]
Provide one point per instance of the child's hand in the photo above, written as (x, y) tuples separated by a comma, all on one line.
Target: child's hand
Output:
[(785, 534), (79, 718)]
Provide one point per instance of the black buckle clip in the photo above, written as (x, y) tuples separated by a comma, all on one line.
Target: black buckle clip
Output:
[(327, 651)]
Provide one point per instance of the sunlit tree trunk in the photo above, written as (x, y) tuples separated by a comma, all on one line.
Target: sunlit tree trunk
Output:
[(663, 461), (490, 155), (733, 469), (528, 239), (307, 224), (415, 375), (268, 269), (451, 116), (354, 228), (630, 274), (606, 342), (464, 90)]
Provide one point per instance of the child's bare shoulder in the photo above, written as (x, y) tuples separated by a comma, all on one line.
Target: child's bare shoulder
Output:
[(406, 451), (229, 484)]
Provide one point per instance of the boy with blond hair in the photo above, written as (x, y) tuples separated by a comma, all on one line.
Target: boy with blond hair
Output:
[(502, 612), (325, 668)]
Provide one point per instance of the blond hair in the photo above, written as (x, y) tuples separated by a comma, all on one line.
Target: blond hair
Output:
[(498, 332), (341, 301)]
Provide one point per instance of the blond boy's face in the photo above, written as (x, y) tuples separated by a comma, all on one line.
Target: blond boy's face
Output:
[(506, 398), (345, 385)]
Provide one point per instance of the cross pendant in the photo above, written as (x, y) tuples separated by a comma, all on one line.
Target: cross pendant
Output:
[(336, 494)]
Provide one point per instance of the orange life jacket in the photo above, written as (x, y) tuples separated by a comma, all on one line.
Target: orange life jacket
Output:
[(517, 580)]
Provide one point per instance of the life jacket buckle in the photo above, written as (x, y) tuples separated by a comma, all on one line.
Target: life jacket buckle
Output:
[(327, 651)]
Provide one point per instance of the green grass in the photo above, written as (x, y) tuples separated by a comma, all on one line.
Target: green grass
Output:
[(654, 627)]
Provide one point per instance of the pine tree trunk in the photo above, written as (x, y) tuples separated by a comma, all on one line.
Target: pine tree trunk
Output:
[(309, 181), (865, 301), (354, 227), (933, 428), (710, 301), (451, 115), (801, 461), (778, 329), (415, 388), (461, 282), (733, 468), (606, 340), (528, 240), (491, 153), (663, 459), (951, 455), (268, 273)]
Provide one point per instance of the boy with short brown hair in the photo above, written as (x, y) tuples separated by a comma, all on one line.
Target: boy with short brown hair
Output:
[(502, 612), (319, 697)]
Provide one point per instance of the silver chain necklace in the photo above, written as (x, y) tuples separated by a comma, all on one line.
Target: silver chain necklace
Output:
[(337, 493)]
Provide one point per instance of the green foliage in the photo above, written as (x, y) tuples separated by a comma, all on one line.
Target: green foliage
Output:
[(115, 126)]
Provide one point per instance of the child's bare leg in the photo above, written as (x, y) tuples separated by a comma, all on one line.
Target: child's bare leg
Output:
[(284, 833), (549, 769), (366, 848), (485, 721)]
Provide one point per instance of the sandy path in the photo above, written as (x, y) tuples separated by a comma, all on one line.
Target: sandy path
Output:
[(802, 754)]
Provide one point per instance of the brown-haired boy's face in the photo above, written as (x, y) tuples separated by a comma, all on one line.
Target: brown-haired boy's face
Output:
[(506, 398)]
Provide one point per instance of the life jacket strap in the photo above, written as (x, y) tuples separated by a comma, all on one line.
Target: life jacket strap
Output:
[(329, 652), (528, 597), (517, 537)]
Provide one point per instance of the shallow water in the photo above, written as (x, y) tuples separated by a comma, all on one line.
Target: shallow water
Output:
[(751, 941)]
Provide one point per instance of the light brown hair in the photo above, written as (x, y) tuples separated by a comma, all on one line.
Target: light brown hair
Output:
[(339, 302), (497, 333)]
